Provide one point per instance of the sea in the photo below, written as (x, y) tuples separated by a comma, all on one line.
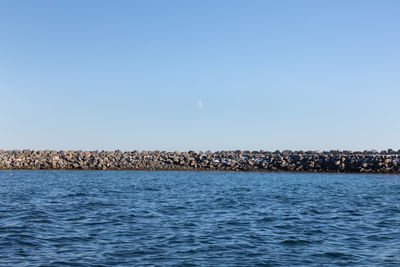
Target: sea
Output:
[(189, 218)]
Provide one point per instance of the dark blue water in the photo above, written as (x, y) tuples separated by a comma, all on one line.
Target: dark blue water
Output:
[(123, 218)]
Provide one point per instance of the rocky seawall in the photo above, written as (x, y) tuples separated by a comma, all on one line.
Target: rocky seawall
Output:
[(387, 161)]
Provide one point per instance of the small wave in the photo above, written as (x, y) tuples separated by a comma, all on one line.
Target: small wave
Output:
[(266, 219), (293, 242), (333, 255)]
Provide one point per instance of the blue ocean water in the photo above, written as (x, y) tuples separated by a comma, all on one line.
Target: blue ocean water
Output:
[(164, 218)]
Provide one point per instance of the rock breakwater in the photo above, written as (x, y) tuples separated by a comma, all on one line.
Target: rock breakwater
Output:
[(387, 161)]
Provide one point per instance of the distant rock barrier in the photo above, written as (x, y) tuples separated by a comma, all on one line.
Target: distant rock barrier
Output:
[(387, 161)]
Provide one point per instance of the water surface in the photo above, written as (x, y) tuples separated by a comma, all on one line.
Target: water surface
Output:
[(120, 218)]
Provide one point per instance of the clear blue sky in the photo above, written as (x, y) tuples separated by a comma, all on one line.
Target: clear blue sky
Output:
[(180, 75)]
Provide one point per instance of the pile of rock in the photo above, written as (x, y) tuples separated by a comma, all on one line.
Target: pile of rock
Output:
[(387, 161)]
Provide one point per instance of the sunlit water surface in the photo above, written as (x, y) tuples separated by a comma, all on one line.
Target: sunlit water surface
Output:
[(125, 218)]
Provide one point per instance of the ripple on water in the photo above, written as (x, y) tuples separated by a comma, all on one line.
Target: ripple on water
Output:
[(123, 218)]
